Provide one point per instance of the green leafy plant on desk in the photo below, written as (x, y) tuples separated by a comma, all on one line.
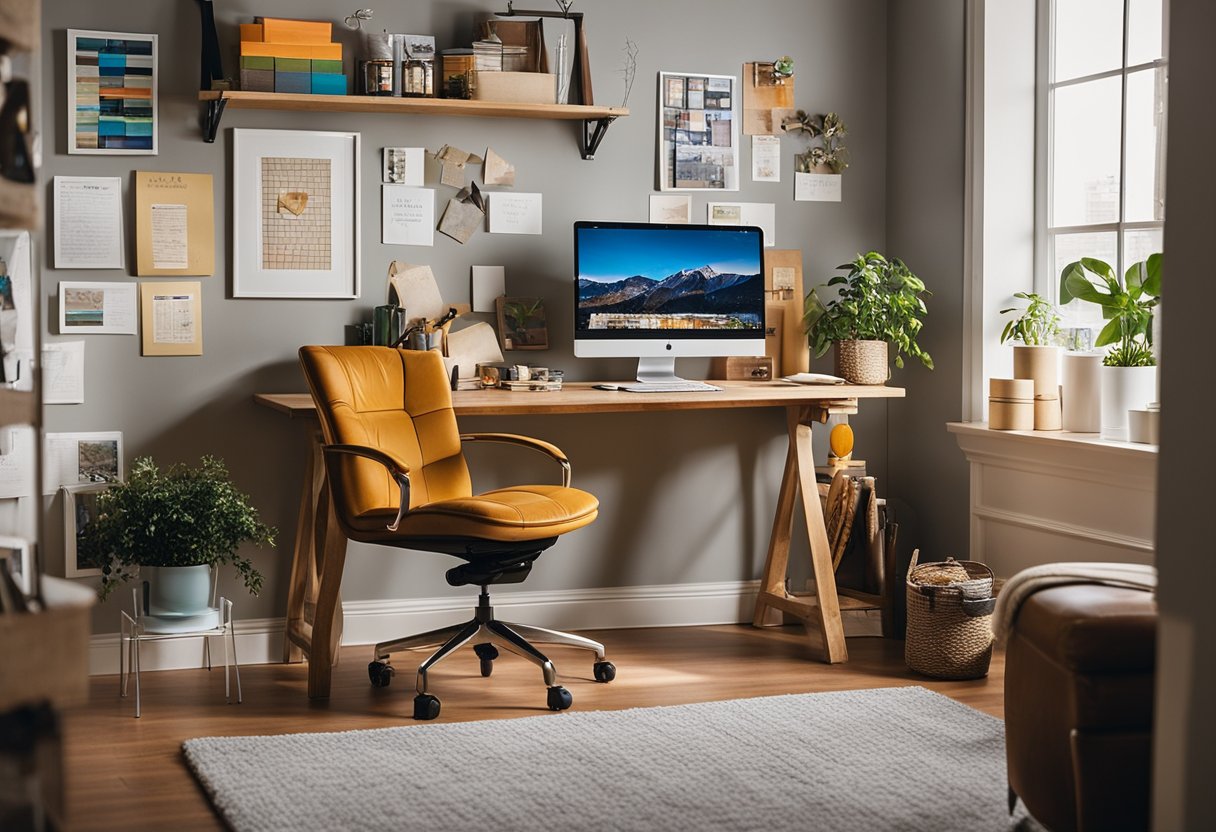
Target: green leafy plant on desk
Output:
[(880, 304), (182, 516)]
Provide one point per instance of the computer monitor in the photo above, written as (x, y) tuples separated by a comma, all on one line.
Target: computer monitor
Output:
[(659, 292)]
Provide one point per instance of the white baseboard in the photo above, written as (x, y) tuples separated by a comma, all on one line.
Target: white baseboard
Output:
[(260, 641)]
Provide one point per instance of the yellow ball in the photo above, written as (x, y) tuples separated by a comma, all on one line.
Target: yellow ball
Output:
[(841, 440)]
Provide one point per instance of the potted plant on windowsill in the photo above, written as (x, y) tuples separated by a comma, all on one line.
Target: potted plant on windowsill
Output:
[(880, 306), (1129, 369), (174, 527), (1037, 357)]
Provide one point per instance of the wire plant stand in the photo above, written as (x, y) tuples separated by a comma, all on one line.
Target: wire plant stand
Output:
[(134, 630)]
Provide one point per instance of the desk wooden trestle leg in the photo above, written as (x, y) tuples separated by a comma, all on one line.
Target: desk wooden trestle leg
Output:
[(822, 614), (314, 605)]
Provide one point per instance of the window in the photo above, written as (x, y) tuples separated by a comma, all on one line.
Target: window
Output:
[(1101, 177)]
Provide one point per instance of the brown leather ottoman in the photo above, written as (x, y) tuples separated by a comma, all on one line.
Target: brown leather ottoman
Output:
[(1079, 706)]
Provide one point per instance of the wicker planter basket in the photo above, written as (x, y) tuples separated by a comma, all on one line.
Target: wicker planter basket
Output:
[(949, 619), (862, 362)]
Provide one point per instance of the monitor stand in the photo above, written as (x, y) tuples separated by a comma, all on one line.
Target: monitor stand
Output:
[(658, 371)]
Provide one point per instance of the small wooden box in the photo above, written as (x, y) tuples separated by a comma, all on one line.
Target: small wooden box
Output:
[(742, 368), (1011, 404), (516, 87)]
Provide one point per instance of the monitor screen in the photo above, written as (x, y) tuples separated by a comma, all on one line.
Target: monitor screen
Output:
[(668, 282)]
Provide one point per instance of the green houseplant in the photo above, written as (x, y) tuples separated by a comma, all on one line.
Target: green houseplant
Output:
[(180, 517), (880, 303), (1129, 371), (1037, 326), (1035, 356), (1127, 305)]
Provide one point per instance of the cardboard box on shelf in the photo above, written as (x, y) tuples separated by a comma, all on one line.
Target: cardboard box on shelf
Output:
[(516, 87)]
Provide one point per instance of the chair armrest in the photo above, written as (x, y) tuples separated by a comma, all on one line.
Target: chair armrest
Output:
[(399, 471), (552, 451)]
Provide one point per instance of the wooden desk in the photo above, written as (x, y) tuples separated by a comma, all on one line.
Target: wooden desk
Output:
[(319, 540)]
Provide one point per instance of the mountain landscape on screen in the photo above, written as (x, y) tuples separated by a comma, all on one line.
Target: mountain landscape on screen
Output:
[(689, 299)]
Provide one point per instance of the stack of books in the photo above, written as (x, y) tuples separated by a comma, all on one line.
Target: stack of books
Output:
[(299, 56), (494, 56)]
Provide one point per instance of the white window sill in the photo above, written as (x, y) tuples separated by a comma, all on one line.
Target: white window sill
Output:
[(1044, 496)]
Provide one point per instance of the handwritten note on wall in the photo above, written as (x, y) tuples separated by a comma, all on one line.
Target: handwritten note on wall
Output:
[(512, 213), (88, 222), (408, 216), (817, 187)]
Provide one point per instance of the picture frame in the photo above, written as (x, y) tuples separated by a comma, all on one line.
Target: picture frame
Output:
[(699, 133), (296, 217), (79, 508), (112, 93), (17, 556), (521, 323)]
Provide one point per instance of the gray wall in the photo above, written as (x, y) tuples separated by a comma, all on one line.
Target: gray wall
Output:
[(673, 507), (925, 150), (1185, 734)]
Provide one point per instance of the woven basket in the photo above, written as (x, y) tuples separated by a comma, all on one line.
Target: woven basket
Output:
[(862, 362), (949, 624)]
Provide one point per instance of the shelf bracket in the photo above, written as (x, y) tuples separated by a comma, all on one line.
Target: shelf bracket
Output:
[(592, 134), (214, 111)]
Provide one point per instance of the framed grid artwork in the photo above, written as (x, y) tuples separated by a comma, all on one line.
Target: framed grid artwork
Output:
[(698, 132), (295, 214), (112, 93)]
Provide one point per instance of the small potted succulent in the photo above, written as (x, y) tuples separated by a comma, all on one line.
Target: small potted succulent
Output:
[(826, 153), (1129, 370), (880, 306), (174, 527)]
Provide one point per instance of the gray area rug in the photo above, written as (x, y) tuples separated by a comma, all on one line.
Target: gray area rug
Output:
[(884, 759)]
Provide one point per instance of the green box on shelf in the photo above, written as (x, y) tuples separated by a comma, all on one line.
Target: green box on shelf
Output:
[(292, 65), (257, 62), (328, 67)]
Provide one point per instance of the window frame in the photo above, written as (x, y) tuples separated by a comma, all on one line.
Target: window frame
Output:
[(1045, 278)]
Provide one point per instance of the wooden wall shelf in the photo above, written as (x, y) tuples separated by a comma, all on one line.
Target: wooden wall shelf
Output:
[(595, 120)]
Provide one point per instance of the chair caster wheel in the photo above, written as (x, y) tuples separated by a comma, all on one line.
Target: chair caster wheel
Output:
[(487, 653), (604, 671), (425, 706), (559, 698), (380, 673)]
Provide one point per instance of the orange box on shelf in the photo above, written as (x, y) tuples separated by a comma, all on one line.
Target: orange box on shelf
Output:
[(252, 32), (284, 30), (315, 52)]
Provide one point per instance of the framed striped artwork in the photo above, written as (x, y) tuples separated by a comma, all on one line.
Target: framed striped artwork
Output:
[(112, 92)]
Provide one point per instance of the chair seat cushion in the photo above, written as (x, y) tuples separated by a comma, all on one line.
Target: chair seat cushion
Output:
[(1091, 628), (522, 512)]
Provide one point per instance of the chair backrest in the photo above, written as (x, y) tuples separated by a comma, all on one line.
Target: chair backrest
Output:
[(397, 401)]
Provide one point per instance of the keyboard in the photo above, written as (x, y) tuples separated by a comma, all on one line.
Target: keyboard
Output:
[(671, 387)]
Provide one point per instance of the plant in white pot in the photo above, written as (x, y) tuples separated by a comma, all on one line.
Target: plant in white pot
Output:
[(1037, 357), (880, 305), (1129, 369), (174, 527)]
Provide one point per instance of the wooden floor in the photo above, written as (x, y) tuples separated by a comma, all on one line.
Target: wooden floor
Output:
[(128, 774)]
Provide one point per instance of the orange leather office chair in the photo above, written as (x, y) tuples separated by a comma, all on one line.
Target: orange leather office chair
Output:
[(397, 477)]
